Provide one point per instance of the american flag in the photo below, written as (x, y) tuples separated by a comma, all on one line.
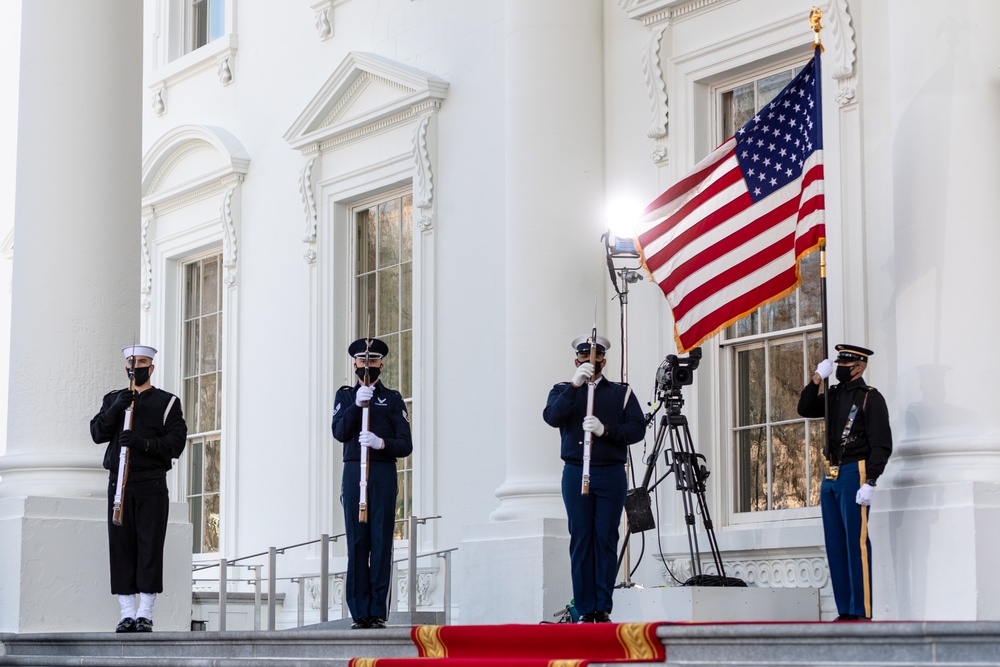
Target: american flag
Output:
[(727, 238)]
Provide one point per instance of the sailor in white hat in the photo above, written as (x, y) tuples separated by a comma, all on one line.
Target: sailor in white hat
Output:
[(147, 424)]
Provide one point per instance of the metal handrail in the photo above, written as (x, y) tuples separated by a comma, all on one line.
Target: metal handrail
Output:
[(324, 576)]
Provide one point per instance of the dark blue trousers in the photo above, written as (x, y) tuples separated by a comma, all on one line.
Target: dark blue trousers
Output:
[(369, 545), (593, 533), (848, 550)]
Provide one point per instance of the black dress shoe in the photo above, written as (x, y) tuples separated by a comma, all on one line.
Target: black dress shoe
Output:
[(602, 617), (361, 624), (143, 624), (376, 622), (844, 617), (126, 625), (589, 617)]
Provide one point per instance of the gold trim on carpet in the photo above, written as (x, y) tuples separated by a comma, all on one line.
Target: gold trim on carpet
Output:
[(428, 641), (364, 662), (565, 663), (635, 640)]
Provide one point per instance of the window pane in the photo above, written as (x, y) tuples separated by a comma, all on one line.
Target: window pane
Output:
[(769, 87), (788, 456), (210, 287), (388, 300), (810, 297), (778, 316), (750, 388), (209, 344), (406, 365), (390, 374), (211, 524), (785, 376), (388, 233), (365, 300), (365, 258), (738, 108), (206, 403), (817, 468), (191, 405), (406, 296), (216, 19), (196, 468), (212, 466), (195, 516), (192, 343), (192, 290), (407, 229), (751, 461)]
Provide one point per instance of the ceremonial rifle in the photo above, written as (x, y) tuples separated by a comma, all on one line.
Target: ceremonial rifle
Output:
[(123, 453), (587, 435), (363, 497)]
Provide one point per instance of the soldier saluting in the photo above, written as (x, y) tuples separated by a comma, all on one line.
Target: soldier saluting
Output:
[(372, 447), (859, 443), (144, 426)]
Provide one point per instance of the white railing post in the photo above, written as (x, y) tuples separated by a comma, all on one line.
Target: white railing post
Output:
[(446, 557), (256, 597), (324, 579), (223, 585), (272, 587), (411, 566), (301, 606)]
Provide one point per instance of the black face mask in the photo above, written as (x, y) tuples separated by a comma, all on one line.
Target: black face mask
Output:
[(373, 372), (140, 375), (844, 373)]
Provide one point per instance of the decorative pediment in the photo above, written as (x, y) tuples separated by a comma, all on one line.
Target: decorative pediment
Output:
[(366, 94), (654, 12), (189, 159)]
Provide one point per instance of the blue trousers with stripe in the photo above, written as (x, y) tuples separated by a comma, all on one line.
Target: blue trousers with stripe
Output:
[(593, 533), (848, 549)]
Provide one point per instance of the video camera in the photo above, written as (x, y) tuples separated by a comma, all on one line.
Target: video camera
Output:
[(676, 372)]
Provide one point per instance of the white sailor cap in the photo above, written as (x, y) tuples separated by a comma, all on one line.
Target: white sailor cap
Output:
[(139, 351), (582, 344)]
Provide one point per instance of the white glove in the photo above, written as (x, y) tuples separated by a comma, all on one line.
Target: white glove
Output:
[(364, 394), (864, 496), (583, 373), (594, 425), (370, 440), (824, 369)]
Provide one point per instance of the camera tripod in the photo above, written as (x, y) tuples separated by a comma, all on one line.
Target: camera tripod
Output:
[(690, 473)]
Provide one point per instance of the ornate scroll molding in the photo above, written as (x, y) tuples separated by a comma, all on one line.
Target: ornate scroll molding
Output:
[(425, 586), (308, 199), (230, 248), (803, 572), (324, 19), (423, 178), (147, 264), (224, 69), (158, 100), (657, 85), (838, 16), (654, 12)]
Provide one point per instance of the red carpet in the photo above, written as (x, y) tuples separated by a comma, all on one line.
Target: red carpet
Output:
[(552, 645)]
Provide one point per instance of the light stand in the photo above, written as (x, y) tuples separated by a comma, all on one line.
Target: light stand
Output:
[(624, 249)]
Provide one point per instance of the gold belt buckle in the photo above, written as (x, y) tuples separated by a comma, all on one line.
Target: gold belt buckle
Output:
[(832, 472)]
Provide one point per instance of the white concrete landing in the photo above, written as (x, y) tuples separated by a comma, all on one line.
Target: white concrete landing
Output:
[(711, 604)]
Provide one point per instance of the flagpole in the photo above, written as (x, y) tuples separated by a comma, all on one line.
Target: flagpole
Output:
[(815, 22)]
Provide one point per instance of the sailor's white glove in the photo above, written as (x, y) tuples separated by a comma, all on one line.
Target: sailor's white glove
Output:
[(583, 373), (364, 394), (370, 440), (594, 425), (824, 369), (864, 496)]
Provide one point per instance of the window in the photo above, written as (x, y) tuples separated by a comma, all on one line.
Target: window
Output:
[(383, 293), (771, 352), (205, 21), (201, 395)]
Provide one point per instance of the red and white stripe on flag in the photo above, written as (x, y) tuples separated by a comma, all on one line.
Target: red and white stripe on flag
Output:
[(728, 237)]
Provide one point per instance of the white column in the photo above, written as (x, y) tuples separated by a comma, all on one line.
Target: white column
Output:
[(935, 524), (554, 212), (554, 215), (74, 303)]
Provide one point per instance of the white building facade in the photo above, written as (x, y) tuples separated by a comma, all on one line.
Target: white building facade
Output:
[(439, 172)]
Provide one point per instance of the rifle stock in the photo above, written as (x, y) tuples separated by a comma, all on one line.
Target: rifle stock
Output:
[(123, 454), (588, 437), (363, 491)]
